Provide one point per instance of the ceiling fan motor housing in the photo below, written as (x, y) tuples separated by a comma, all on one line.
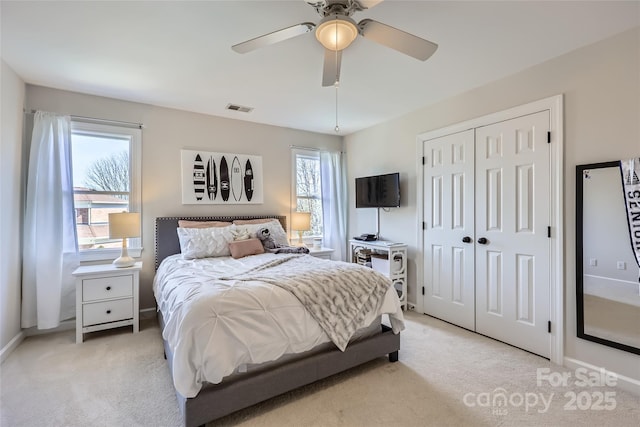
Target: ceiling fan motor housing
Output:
[(336, 7)]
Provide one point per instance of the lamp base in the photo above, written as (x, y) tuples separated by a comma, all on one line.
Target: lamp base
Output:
[(299, 242), (124, 261)]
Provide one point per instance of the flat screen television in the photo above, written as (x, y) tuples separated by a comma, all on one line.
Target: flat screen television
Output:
[(379, 191)]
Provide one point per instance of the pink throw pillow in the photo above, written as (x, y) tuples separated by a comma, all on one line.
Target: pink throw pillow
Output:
[(202, 224), (243, 248)]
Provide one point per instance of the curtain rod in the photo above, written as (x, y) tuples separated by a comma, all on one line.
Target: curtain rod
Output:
[(97, 121), (298, 147)]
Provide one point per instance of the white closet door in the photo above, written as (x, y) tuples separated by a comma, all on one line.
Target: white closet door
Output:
[(512, 214), (449, 219)]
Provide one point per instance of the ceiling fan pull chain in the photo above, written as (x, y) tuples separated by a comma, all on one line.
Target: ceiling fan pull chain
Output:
[(336, 84), (337, 54), (337, 128)]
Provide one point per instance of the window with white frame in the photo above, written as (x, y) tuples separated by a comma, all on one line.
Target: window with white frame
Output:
[(307, 188), (106, 179)]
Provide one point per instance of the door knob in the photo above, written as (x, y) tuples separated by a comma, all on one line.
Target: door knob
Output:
[(466, 239), (482, 241)]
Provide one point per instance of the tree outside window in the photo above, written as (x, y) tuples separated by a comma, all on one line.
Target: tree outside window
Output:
[(308, 188)]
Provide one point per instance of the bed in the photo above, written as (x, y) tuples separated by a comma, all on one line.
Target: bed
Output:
[(251, 383)]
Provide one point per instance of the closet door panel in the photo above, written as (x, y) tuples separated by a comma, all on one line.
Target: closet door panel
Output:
[(512, 214), (448, 214)]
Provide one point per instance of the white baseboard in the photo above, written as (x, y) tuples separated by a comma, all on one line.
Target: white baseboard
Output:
[(11, 345), (625, 383), (65, 325)]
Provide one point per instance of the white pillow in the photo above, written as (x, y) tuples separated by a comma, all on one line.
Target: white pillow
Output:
[(275, 228), (205, 242)]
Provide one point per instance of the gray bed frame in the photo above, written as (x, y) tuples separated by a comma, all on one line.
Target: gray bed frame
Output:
[(217, 400)]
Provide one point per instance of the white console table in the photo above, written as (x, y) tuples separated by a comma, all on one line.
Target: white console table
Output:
[(388, 258)]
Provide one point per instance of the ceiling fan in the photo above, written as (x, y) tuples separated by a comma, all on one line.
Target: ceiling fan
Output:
[(336, 30)]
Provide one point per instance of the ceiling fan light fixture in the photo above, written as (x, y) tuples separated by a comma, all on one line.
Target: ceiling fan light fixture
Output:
[(336, 32)]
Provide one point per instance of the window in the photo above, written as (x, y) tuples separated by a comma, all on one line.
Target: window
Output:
[(307, 188), (106, 179)]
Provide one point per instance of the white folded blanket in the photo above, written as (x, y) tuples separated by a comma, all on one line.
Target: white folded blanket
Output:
[(337, 294)]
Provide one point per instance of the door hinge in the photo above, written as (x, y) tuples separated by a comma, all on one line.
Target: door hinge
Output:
[(423, 290), (423, 160), (549, 231), (549, 326), (549, 137), (424, 225)]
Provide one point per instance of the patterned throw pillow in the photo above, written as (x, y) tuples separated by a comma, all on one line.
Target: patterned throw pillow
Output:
[(205, 242), (274, 226)]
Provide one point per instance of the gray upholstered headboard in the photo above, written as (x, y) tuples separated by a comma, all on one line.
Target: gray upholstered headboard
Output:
[(167, 242)]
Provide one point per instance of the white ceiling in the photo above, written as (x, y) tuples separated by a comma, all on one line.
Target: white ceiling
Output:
[(178, 54)]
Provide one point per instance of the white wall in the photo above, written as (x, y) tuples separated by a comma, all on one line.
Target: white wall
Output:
[(11, 105), (165, 133), (601, 91)]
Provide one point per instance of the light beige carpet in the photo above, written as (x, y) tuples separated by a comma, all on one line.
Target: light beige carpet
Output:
[(446, 376)]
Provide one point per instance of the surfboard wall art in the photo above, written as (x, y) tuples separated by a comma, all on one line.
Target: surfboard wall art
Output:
[(210, 178), (198, 177)]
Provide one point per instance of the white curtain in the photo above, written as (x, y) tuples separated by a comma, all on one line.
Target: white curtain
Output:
[(334, 202), (50, 251)]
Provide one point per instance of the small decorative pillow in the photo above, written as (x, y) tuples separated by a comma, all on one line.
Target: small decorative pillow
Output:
[(205, 242), (274, 226), (202, 224), (241, 233), (243, 248)]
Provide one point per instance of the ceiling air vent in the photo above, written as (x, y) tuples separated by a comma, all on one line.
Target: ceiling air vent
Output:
[(235, 107)]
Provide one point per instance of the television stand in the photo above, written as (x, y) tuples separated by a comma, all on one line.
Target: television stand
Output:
[(386, 257)]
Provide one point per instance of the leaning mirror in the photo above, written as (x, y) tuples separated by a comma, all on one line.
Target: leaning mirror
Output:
[(607, 275)]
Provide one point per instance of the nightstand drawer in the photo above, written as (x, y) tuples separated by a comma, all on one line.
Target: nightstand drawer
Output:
[(108, 311), (324, 253), (107, 287)]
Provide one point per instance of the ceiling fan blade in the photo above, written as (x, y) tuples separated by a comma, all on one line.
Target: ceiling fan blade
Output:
[(331, 70), (274, 37), (368, 4), (397, 39)]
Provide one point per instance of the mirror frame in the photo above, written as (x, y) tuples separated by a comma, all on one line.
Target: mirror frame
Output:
[(579, 259)]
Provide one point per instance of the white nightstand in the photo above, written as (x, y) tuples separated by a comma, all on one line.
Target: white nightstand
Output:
[(106, 297), (324, 253)]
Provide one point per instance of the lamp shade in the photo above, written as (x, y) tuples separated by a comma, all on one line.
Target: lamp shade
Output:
[(336, 32), (123, 225), (301, 221)]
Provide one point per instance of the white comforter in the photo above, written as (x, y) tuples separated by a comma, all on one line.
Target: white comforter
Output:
[(214, 326)]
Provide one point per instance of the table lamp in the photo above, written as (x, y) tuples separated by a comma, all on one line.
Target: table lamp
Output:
[(301, 221), (122, 226)]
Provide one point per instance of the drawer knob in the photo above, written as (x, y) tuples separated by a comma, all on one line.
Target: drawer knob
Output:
[(108, 311), (108, 288)]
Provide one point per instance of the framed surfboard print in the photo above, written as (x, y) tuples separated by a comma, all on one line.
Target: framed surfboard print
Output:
[(211, 178)]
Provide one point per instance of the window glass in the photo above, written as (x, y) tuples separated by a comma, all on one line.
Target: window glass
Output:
[(103, 177), (308, 188)]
